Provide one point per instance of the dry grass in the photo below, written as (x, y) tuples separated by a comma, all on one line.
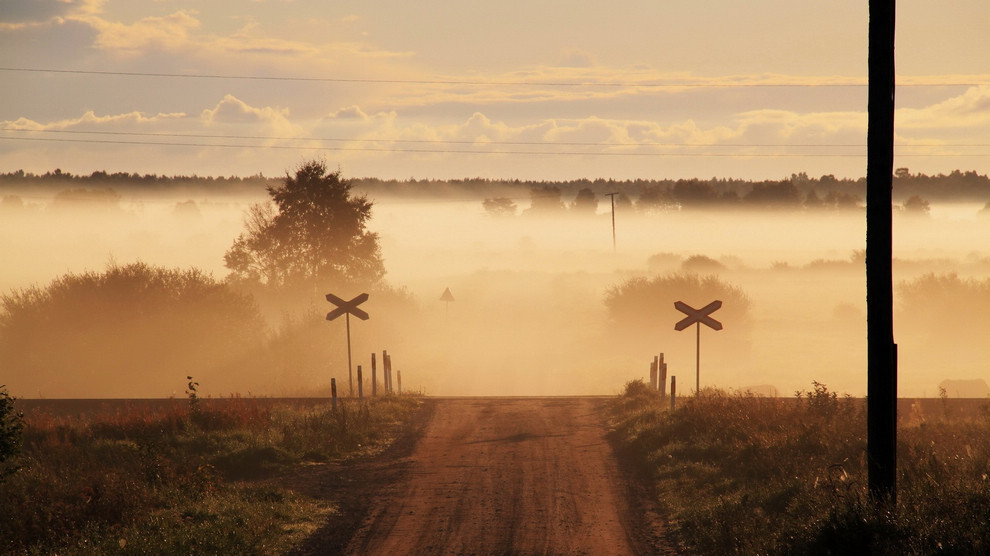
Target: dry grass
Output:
[(182, 478), (738, 474)]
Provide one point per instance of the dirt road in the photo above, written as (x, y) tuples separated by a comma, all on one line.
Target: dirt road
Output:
[(508, 476)]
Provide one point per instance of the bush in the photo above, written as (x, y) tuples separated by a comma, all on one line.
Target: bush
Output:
[(124, 332), (11, 427)]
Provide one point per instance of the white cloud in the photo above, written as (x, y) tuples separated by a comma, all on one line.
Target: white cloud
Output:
[(970, 110)]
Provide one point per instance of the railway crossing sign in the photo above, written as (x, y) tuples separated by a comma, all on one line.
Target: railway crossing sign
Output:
[(697, 317), (348, 308)]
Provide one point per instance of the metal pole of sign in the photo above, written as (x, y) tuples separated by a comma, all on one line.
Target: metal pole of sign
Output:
[(697, 359), (350, 373)]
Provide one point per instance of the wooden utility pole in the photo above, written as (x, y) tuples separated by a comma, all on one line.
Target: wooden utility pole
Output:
[(882, 352)]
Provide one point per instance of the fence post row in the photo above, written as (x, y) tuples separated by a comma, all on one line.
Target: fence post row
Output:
[(333, 392), (653, 373)]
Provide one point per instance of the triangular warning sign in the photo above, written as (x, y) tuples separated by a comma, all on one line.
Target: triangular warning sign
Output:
[(447, 296)]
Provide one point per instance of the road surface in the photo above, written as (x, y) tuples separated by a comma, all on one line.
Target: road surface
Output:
[(509, 476)]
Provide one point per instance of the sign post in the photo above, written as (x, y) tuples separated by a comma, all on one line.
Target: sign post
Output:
[(447, 297), (348, 308), (697, 317)]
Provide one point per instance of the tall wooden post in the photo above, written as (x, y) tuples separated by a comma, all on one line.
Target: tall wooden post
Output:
[(374, 377), (333, 392), (882, 353), (662, 373), (360, 384)]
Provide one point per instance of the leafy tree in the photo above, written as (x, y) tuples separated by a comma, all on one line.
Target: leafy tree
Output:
[(311, 234), (650, 301), (585, 202), (499, 206), (915, 205), (545, 200)]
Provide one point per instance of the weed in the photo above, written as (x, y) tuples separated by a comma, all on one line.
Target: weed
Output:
[(179, 478), (11, 428), (746, 475)]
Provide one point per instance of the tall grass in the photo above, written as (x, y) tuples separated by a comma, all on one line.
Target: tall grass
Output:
[(181, 479), (739, 474)]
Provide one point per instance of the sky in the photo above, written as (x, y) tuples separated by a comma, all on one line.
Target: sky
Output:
[(534, 89)]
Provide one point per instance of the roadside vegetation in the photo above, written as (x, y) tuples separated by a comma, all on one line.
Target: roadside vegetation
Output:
[(740, 474), (199, 476)]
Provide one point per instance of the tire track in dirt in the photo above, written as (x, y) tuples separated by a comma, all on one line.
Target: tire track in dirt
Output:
[(509, 476)]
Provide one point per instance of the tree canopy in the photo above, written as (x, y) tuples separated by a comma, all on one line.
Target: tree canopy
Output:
[(313, 232)]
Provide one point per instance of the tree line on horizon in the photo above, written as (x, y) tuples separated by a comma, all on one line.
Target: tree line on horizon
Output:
[(795, 190)]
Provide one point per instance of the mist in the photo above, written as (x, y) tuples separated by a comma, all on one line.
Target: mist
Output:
[(529, 314)]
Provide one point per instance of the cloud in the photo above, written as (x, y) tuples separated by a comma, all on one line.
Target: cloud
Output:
[(90, 121), (349, 113), (970, 110), (231, 109), (171, 32)]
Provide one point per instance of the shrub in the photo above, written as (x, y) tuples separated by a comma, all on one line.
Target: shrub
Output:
[(11, 428)]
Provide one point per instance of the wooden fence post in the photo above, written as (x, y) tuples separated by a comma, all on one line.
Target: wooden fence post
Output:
[(360, 384), (333, 392), (653, 373), (398, 378), (673, 392), (663, 377), (374, 377)]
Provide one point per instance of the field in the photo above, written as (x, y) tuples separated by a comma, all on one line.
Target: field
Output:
[(184, 476), (739, 474)]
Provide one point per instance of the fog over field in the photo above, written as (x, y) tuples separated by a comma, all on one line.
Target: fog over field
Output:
[(529, 315)]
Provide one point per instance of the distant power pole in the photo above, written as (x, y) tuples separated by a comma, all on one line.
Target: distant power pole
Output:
[(881, 408), (612, 196)]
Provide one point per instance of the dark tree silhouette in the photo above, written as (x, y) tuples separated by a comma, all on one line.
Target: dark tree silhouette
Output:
[(546, 200), (312, 234), (585, 202), (499, 206)]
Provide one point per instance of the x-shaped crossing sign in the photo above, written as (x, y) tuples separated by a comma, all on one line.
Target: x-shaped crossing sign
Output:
[(697, 315), (344, 307)]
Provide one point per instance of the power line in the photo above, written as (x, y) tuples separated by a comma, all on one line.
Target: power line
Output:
[(437, 141), (614, 84), (477, 152)]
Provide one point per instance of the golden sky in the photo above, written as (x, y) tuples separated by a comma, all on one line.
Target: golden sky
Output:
[(509, 89)]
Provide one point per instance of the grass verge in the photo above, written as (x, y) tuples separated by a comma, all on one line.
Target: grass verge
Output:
[(739, 474), (188, 478)]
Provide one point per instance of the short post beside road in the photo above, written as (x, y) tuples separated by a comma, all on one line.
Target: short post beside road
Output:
[(360, 384), (374, 377), (662, 372), (333, 392), (653, 374), (673, 392), (398, 379)]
